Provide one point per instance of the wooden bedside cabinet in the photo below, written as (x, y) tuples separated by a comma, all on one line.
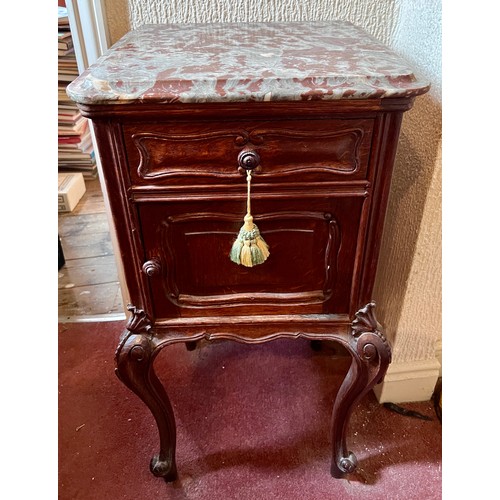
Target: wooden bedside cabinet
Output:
[(298, 120)]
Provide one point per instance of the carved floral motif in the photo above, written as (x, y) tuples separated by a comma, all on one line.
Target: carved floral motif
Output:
[(365, 323), (139, 321)]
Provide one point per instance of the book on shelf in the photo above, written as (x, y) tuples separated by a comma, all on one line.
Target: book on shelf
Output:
[(67, 61), (76, 158), (68, 115), (77, 128), (73, 151), (88, 173), (65, 40), (75, 147), (72, 143), (62, 96), (65, 52), (62, 19), (67, 67), (64, 102)]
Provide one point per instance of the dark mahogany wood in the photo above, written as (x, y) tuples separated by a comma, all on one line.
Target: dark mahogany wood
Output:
[(195, 153), (371, 355), (177, 191), (191, 346), (134, 367)]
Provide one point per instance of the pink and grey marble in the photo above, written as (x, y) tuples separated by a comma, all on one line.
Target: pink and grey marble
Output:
[(246, 62)]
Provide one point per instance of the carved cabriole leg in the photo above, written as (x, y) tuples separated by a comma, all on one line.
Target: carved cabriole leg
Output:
[(371, 355), (134, 367)]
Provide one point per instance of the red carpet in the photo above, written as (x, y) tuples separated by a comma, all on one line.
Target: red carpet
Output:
[(252, 423)]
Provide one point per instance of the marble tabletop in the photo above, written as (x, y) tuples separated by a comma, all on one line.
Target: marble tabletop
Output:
[(246, 62)]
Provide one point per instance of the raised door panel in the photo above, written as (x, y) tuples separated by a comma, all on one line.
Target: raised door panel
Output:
[(313, 245)]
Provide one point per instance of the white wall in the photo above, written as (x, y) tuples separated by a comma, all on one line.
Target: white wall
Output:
[(408, 285), (367, 13)]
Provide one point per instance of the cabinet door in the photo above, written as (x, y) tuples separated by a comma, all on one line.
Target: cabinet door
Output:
[(312, 241)]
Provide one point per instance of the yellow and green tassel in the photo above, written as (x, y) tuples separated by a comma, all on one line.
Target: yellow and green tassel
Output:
[(249, 248)]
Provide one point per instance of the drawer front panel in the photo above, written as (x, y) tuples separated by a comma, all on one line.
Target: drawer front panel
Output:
[(310, 150), (309, 270)]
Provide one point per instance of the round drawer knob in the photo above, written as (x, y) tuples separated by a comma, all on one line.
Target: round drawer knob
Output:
[(248, 159), (151, 267)]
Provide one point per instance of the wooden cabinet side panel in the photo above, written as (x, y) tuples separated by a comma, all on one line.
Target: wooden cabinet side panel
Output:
[(108, 136), (385, 142)]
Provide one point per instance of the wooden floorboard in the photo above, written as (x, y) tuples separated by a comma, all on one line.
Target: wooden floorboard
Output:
[(87, 245), (86, 223), (88, 283), (90, 272), (90, 300)]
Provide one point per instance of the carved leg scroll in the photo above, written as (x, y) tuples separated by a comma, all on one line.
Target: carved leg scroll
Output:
[(371, 355), (134, 367)]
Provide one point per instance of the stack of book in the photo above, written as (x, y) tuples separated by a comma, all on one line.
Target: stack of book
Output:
[(75, 148)]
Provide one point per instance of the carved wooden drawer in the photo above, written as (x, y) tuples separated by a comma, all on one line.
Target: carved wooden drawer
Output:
[(186, 119), (177, 153)]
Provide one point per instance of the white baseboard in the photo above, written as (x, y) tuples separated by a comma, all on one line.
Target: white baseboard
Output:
[(439, 355), (408, 382)]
